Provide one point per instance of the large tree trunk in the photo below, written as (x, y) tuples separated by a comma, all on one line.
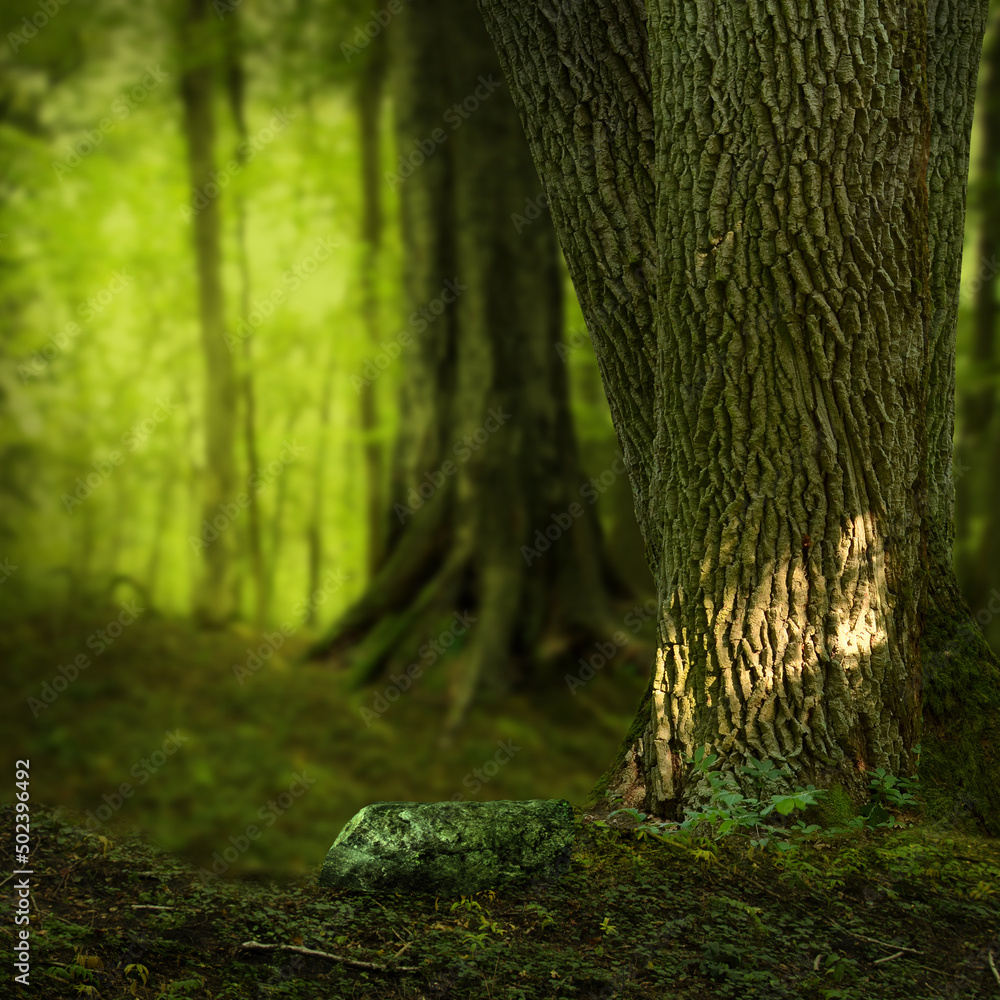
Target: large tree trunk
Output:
[(486, 460), (214, 598), (780, 226)]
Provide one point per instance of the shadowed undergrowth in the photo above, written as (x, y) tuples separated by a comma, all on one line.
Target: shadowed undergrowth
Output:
[(288, 750)]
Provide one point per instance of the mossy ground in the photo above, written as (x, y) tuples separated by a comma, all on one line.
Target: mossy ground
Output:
[(871, 914)]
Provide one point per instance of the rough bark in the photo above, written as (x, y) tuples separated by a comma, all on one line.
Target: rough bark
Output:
[(789, 628), (788, 479), (485, 458), (214, 598)]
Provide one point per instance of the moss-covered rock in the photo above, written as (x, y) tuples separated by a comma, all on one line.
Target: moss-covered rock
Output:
[(450, 848)]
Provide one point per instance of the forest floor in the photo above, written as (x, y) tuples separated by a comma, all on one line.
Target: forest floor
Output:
[(126, 905), (872, 915)]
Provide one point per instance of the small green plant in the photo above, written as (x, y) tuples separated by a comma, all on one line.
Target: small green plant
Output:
[(178, 989), (475, 940), (728, 809), (136, 975), (71, 972), (547, 917), (890, 793), (836, 967), (469, 904)]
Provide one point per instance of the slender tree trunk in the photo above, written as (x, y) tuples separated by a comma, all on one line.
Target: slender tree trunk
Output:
[(278, 516), (87, 537), (214, 603), (123, 502), (781, 471), (315, 530), (160, 522), (235, 91), (976, 491), (314, 526), (485, 462), (369, 105), (193, 498)]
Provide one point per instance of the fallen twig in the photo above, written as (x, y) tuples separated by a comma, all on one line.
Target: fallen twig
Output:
[(888, 958), (353, 962), (876, 941), (989, 958), (149, 906)]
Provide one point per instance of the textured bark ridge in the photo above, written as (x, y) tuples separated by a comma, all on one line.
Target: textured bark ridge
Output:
[(450, 848), (808, 187)]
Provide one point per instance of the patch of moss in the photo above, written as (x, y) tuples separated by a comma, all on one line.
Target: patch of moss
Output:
[(833, 809)]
